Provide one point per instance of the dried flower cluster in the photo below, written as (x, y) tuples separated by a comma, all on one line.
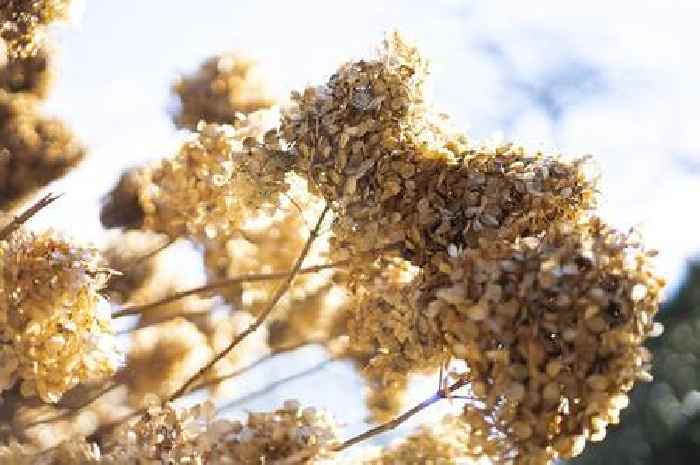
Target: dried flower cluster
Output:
[(551, 328), (23, 23), (216, 181), (224, 87), (191, 436), (662, 423), (55, 328), (512, 277), (34, 150), (31, 75)]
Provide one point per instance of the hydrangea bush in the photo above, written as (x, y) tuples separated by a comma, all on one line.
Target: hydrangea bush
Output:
[(354, 217)]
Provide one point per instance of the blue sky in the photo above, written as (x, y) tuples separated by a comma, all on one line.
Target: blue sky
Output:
[(614, 79)]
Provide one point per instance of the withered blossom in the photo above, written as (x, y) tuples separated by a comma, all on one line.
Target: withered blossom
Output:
[(56, 329), (34, 150), (223, 88)]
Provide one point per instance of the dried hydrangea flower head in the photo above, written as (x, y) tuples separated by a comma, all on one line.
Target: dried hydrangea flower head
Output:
[(224, 87), (217, 180), (121, 207), (390, 321), (30, 75), (552, 330), (23, 23), (291, 434), (395, 174), (165, 434), (162, 357), (33, 150), (55, 330)]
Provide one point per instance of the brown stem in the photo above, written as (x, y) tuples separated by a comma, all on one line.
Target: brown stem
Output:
[(390, 425), (246, 278), (253, 327), (28, 213)]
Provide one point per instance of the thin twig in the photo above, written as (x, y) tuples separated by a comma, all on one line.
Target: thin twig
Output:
[(274, 385), (246, 278), (28, 213), (261, 319), (390, 425)]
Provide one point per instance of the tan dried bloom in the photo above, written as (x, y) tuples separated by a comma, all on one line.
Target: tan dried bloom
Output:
[(289, 435), (396, 174), (162, 357), (224, 87), (190, 436), (390, 323), (163, 435), (33, 150), (551, 328), (31, 75), (216, 181), (23, 23), (55, 330)]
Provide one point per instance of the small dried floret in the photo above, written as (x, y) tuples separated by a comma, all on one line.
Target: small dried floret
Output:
[(33, 150), (23, 23), (31, 75), (55, 329), (224, 87), (552, 329), (216, 181)]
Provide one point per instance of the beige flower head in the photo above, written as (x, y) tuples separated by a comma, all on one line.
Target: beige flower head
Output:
[(55, 329), (217, 180), (34, 150), (224, 88)]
